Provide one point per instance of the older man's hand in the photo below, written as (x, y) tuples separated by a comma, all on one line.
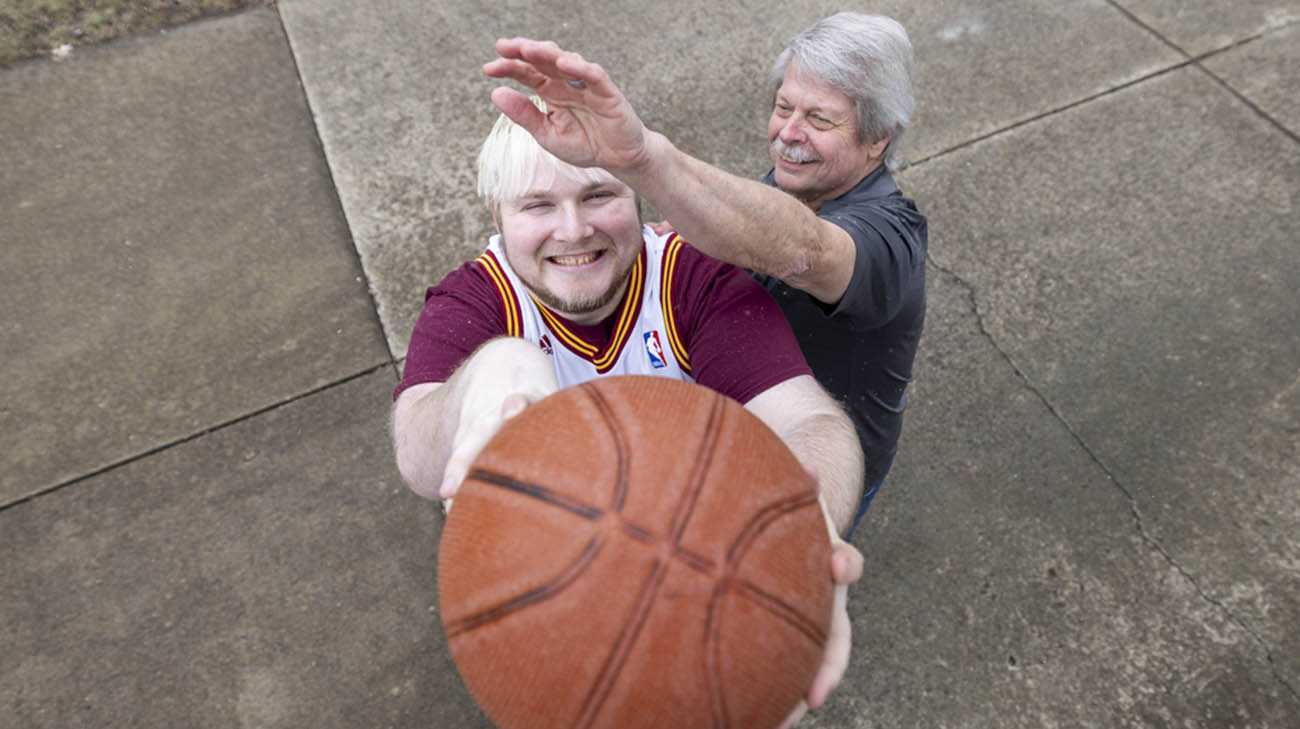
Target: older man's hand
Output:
[(587, 122)]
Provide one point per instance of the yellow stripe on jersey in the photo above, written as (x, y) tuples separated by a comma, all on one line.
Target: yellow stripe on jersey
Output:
[(509, 304), (573, 341), (666, 297), (631, 309), (627, 316)]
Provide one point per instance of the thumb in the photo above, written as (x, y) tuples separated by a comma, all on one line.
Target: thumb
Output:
[(452, 477), (513, 405), (846, 564), (519, 108)]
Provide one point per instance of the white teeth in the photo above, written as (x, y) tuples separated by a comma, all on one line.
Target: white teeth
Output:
[(576, 260)]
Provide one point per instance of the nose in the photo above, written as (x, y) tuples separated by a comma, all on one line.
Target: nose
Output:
[(573, 224), (792, 130)]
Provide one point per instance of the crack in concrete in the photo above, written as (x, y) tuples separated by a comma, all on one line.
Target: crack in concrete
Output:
[(1134, 508), (207, 430)]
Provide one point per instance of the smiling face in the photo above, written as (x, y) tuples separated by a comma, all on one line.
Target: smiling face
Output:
[(572, 242), (813, 140)]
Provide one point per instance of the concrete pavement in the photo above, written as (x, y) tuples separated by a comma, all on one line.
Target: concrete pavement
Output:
[(217, 238)]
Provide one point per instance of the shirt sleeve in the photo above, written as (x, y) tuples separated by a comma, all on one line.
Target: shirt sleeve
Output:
[(460, 314), (889, 238), (738, 341)]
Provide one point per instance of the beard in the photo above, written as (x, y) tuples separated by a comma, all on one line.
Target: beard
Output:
[(577, 305)]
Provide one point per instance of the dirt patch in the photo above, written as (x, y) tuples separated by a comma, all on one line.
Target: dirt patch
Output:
[(30, 28)]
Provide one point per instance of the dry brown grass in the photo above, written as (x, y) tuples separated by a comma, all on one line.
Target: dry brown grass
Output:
[(30, 28)]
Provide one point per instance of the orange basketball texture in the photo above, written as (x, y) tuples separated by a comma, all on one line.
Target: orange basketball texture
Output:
[(636, 552)]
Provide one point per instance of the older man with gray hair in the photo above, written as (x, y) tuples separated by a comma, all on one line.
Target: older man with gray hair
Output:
[(826, 231)]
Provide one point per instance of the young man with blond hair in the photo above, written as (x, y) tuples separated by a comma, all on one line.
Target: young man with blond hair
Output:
[(573, 286)]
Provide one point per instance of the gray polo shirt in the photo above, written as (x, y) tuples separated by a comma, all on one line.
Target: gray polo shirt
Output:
[(861, 349)]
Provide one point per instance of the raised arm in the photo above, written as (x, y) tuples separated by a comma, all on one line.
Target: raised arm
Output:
[(439, 428), (589, 122)]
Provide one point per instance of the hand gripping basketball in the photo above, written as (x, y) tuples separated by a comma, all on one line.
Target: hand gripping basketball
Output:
[(636, 552), (476, 428)]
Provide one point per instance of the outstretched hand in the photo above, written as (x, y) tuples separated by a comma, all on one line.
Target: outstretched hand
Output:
[(846, 569), (588, 121), (473, 434)]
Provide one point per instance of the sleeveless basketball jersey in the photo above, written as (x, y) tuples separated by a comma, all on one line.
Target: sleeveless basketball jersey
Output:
[(645, 339)]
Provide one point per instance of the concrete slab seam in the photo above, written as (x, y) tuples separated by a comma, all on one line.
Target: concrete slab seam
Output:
[(1134, 507), (1197, 61), (1213, 51), (1144, 26), (1051, 113), (192, 436), (1293, 135), (1189, 60), (329, 168)]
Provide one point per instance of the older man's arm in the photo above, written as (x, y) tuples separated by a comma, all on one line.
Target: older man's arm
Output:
[(729, 217)]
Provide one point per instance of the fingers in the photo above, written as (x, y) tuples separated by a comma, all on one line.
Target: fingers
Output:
[(523, 72), (520, 109), (452, 477), (663, 227), (846, 563), (836, 659), (514, 404), (846, 569), (471, 441), (538, 64), (795, 716)]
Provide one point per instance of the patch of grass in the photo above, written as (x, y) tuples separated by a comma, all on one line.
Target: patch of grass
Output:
[(30, 28)]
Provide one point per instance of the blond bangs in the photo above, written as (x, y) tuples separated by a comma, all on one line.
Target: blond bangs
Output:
[(512, 164)]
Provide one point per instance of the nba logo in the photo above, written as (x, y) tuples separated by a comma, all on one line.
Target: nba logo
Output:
[(653, 349), (545, 344)]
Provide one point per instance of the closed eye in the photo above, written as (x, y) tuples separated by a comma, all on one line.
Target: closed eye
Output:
[(821, 122)]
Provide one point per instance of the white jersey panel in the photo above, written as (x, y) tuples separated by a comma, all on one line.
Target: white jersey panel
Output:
[(646, 350)]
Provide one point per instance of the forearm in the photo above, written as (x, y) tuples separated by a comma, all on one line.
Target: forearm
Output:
[(816, 429), (827, 443), (438, 428), (423, 422), (732, 218)]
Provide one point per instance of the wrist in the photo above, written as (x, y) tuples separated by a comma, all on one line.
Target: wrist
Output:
[(656, 149)]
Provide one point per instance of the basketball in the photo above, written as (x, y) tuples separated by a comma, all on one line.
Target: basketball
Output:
[(636, 552)]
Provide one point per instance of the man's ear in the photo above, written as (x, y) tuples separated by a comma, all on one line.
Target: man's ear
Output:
[(496, 215), (877, 148)]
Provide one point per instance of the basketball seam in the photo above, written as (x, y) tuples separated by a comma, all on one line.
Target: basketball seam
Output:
[(614, 663), (780, 609), (538, 594), (620, 447), (703, 462), (713, 619), (536, 491), (725, 578)]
